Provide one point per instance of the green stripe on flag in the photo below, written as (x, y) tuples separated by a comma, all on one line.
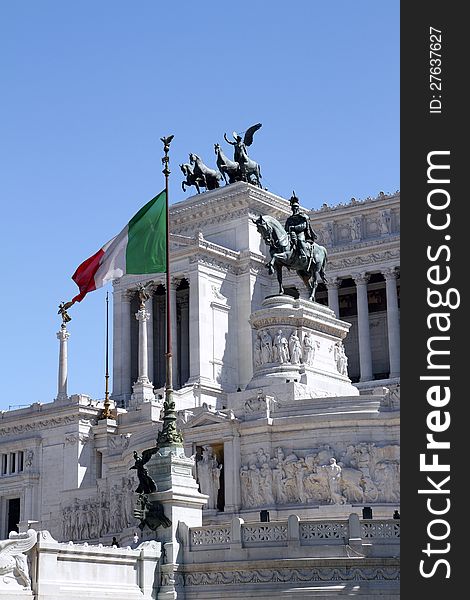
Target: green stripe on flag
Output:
[(146, 245)]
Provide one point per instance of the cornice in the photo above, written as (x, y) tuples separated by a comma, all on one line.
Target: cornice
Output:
[(229, 201), (354, 205), (44, 416)]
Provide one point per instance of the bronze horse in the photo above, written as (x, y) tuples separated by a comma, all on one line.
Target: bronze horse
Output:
[(284, 255), (191, 178), (226, 166), (211, 177)]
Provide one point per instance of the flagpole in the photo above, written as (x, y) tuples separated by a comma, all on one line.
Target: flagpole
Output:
[(106, 414), (169, 355), (168, 436)]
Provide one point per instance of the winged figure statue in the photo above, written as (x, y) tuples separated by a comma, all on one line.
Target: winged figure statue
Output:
[(249, 169), (13, 561), (146, 483)]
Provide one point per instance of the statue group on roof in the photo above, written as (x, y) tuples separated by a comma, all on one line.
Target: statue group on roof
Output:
[(241, 168)]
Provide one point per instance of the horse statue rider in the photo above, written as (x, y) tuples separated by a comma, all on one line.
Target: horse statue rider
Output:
[(293, 246), (299, 229)]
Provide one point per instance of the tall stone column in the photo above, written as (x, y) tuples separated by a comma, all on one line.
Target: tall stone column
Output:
[(184, 332), (150, 348), (333, 298), (365, 356), (121, 346), (62, 336), (194, 338), (143, 388), (393, 321), (174, 329), (126, 344)]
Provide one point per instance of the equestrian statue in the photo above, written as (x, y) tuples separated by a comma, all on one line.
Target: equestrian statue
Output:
[(294, 247)]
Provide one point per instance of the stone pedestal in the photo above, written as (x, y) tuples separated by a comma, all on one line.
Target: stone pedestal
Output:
[(300, 341), (177, 491)]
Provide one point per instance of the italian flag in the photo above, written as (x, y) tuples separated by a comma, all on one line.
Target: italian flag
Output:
[(139, 248)]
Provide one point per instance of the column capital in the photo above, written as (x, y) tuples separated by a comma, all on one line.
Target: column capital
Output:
[(63, 334), (333, 283), (360, 278), (142, 315), (390, 273)]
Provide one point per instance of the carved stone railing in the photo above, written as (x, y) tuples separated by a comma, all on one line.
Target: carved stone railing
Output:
[(212, 536), (375, 529), (263, 533), (293, 533), (314, 532)]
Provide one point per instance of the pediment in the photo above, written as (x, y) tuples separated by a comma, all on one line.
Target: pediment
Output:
[(209, 418)]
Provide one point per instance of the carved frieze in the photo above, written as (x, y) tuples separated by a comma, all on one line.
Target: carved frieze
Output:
[(109, 511), (42, 424), (362, 472), (290, 574)]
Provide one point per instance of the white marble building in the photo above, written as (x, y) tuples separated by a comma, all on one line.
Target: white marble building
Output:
[(219, 279), (264, 393)]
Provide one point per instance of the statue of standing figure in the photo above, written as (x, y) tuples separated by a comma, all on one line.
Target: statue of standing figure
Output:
[(295, 349), (308, 350), (281, 348), (333, 471), (208, 472), (146, 483), (257, 356), (266, 348), (341, 359)]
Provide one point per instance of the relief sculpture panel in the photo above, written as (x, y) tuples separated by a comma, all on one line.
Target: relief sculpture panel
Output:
[(360, 473)]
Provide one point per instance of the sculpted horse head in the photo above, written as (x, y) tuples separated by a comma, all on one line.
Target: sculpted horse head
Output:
[(272, 232)]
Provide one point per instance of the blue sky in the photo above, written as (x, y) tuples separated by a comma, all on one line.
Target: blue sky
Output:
[(87, 90)]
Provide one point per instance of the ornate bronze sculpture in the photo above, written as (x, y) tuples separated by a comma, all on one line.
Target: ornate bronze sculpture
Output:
[(210, 177), (143, 293), (293, 247), (191, 178), (63, 307), (150, 513), (299, 228), (228, 168), (146, 483), (250, 170)]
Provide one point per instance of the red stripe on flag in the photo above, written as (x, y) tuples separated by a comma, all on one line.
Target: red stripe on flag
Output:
[(84, 276)]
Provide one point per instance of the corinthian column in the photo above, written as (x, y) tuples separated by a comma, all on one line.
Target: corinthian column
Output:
[(365, 356), (393, 322), (333, 298), (62, 336), (143, 388)]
